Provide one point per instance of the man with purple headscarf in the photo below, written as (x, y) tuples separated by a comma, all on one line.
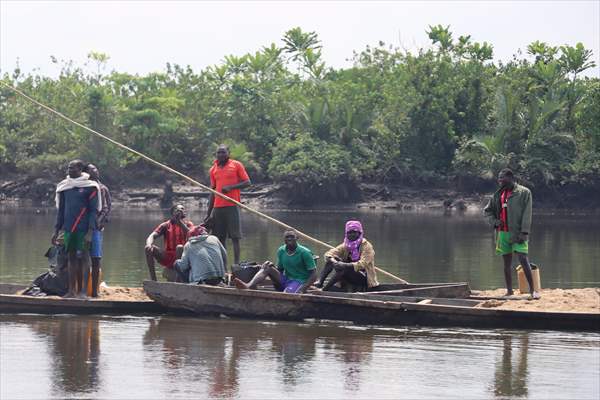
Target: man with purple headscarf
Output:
[(353, 261)]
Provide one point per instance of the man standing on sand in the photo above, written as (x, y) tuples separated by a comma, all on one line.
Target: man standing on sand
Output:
[(98, 231), (509, 212), (175, 232), (227, 176), (78, 199)]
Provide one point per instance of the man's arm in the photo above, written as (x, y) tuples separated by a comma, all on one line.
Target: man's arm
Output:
[(150, 239), (106, 208), (184, 264), (60, 217), (490, 213), (309, 282), (211, 197), (309, 262), (526, 218), (240, 185), (335, 253)]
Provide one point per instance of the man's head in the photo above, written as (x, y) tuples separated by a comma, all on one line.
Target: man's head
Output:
[(290, 238), (506, 178), (354, 230), (178, 210), (222, 154), (75, 168), (93, 171), (197, 231)]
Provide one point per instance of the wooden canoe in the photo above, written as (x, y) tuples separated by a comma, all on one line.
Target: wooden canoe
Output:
[(12, 302), (362, 308)]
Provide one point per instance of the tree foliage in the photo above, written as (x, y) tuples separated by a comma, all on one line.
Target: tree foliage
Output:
[(443, 112)]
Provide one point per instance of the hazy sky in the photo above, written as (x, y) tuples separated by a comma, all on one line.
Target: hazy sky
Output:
[(142, 36)]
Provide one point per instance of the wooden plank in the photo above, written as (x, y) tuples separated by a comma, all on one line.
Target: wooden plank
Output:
[(457, 290)]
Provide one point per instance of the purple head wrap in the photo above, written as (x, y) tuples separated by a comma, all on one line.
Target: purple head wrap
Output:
[(353, 246)]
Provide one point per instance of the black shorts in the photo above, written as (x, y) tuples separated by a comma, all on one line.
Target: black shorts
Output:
[(227, 223)]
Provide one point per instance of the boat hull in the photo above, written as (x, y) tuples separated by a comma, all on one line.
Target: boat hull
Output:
[(368, 309), (10, 302)]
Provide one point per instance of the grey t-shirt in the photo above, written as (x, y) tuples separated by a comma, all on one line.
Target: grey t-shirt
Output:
[(204, 257)]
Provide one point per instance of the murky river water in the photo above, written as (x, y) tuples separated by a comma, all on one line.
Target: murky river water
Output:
[(179, 357)]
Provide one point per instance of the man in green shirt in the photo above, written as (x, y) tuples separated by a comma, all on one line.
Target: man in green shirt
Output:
[(295, 271), (509, 212)]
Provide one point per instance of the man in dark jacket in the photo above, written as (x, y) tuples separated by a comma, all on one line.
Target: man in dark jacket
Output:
[(78, 199), (509, 212)]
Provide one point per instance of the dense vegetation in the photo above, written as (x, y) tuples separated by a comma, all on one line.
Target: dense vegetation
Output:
[(445, 115)]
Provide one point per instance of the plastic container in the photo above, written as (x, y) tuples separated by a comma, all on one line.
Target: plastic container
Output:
[(89, 285), (535, 274)]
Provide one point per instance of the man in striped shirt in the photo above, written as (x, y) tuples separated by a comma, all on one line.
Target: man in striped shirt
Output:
[(98, 230)]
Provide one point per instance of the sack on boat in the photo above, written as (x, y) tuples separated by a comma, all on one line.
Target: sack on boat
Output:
[(55, 280)]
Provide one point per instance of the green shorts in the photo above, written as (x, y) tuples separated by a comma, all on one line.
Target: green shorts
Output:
[(74, 241), (503, 245)]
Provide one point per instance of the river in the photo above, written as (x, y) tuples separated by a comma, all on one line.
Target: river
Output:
[(69, 356)]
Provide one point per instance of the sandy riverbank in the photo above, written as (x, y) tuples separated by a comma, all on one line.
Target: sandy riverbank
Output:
[(564, 300)]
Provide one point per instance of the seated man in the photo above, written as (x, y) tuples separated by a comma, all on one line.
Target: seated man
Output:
[(295, 272), (174, 232), (353, 261), (203, 259)]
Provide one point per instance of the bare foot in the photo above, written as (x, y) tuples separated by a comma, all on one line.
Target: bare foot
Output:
[(508, 293), (240, 284)]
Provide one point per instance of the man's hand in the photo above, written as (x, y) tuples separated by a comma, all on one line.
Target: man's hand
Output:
[(148, 247), (522, 238), (53, 239), (497, 223), (226, 189)]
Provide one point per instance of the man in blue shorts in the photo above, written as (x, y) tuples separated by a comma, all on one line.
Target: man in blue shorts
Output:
[(295, 272), (98, 230)]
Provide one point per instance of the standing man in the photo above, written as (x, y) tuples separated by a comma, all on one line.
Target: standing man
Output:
[(175, 232), (509, 211), (98, 231), (78, 199), (227, 176), (295, 271)]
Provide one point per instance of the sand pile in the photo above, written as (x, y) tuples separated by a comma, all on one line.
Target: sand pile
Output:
[(572, 300), (117, 293)]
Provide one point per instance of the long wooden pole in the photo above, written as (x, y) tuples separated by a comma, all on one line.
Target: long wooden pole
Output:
[(183, 176)]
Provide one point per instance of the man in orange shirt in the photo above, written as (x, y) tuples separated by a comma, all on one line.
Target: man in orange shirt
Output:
[(227, 176)]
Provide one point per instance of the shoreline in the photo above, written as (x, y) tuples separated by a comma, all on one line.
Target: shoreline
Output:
[(375, 197)]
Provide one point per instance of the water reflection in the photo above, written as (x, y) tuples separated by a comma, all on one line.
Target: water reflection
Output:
[(511, 379), (215, 352), (75, 349)]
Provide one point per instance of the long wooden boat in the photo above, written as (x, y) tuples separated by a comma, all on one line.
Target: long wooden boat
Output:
[(362, 308), (12, 302)]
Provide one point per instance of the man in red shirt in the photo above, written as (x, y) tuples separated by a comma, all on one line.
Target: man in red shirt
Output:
[(227, 176), (175, 233)]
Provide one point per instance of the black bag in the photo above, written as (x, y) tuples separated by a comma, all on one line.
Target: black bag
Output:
[(245, 270), (56, 280)]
